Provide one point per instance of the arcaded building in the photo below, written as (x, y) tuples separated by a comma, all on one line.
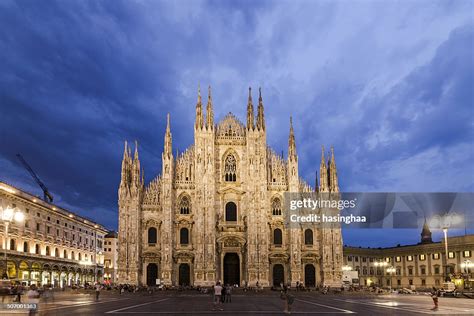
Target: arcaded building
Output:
[(216, 211), (52, 245)]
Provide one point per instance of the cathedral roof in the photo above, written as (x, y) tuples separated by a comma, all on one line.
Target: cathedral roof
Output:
[(230, 126)]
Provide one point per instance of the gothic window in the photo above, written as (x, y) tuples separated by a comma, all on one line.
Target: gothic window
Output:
[(80, 256), (231, 212), (277, 237), (73, 256), (56, 252), (25, 247), (65, 254), (184, 206), (37, 249), (152, 235), (48, 252), (184, 236), (276, 207), (308, 237), (230, 169)]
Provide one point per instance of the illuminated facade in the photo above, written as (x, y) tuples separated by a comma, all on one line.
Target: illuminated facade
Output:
[(422, 265), (215, 212), (52, 245)]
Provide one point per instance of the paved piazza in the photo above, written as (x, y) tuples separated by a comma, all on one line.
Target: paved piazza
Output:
[(250, 303)]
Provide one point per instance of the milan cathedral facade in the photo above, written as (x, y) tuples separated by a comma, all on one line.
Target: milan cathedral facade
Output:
[(216, 211)]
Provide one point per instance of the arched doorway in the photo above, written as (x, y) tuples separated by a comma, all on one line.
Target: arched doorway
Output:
[(151, 274), (231, 268), (309, 276), (184, 274), (278, 274)]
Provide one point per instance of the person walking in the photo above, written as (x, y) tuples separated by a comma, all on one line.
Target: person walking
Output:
[(32, 297), (287, 298), (217, 296), (434, 295), (97, 291), (228, 294)]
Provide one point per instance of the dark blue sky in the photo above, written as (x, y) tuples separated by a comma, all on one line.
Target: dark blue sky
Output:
[(389, 84)]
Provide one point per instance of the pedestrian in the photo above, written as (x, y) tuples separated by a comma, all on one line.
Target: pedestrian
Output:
[(287, 298), (223, 294), (217, 296), (228, 293), (434, 295), (32, 298), (97, 291)]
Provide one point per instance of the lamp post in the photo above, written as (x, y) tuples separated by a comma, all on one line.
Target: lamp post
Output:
[(445, 232), (8, 215), (445, 222)]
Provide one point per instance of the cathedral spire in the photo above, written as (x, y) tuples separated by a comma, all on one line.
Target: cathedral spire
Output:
[(210, 113), (260, 115), (168, 139), (323, 174), (291, 143), (125, 166), (333, 181), (136, 166), (199, 117), (250, 116)]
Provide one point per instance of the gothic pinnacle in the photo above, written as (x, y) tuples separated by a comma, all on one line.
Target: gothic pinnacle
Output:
[(210, 112), (168, 139), (260, 115), (199, 116), (250, 116), (291, 142)]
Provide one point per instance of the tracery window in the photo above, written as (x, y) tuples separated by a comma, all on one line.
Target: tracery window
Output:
[(184, 206), (276, 207), (230, 168)]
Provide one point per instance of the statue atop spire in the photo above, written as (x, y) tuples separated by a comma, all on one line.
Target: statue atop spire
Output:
[(260, 115), (210, 112), (250, 115), (292, 143), (168, 139), (199, 117)]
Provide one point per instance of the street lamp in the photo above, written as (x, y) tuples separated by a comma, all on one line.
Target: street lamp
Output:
[(445, 222), (8, 215)]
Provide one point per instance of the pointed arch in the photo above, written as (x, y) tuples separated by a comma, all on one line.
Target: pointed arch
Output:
[(184, 204), (230, 161), (276, 206)]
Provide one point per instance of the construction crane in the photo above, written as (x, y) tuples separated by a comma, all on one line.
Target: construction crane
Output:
[(47, 196)]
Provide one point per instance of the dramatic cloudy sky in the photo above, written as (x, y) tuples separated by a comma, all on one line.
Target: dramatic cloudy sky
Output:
[(388, 83)]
